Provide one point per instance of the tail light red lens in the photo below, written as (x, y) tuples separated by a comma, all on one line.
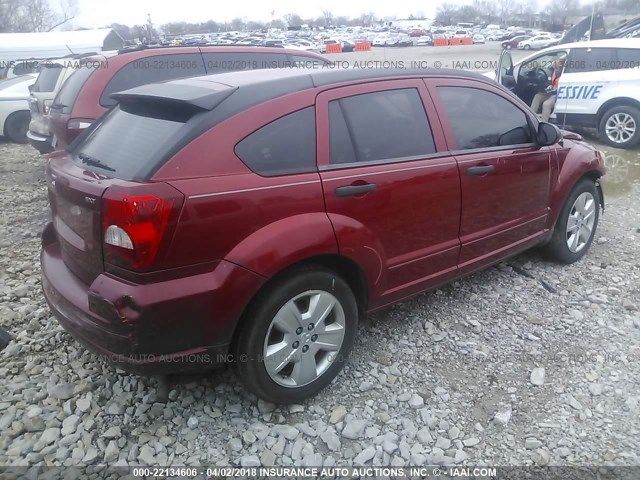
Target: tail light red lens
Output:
[(76, 126), (138, 224)]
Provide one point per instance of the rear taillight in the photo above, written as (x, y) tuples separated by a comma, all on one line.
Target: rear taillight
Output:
[(138, 223), (46, 106), (76, 126)]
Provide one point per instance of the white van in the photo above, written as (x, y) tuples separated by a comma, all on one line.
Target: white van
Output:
[(599, 86)]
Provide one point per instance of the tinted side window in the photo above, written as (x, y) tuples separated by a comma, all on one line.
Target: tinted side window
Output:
[(150, 70), (71, 87), (285, 146), (229, 62), (379, 126), (47, 78), (585, 60), (482, 119), (627, 58)]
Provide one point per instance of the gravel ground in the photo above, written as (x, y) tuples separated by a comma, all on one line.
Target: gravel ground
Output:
[(525, 363)]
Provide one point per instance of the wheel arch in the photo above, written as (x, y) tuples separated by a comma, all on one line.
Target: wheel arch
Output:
[(8, 119), (346, 268), (615, 102)]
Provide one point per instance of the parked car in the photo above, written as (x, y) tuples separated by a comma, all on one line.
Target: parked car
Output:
[(535, 43), (14, 107), (513, 43), (213, 216), (425, 40), (478, 38), (53, 74), (461, 34), (87, 93), (599, 87)]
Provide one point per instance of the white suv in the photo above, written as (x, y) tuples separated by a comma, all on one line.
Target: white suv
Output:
[(599, 86)]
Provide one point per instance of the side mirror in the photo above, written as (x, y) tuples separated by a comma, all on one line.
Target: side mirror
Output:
[(548, 134)]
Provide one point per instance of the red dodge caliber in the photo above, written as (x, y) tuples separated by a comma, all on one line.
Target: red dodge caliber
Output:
[(256, 215)]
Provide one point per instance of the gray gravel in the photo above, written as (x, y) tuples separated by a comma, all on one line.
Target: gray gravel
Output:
[(493, 369)]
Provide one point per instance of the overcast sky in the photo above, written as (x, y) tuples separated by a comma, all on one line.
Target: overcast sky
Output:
[(97, 13)]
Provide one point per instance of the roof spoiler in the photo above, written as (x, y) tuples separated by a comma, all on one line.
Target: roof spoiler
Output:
[(185, 96)]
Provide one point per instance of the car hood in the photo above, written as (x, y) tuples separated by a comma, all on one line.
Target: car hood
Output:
[(17, 91)]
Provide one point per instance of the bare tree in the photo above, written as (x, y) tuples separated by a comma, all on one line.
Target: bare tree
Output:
[(328, 17), (35, 15)]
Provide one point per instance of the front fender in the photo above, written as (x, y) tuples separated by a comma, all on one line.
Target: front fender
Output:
[(576, 160), (282, 243)]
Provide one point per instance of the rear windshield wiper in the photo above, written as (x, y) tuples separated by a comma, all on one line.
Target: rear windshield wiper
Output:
[(94, 162)]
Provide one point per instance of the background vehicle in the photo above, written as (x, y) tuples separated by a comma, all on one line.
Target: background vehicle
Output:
[(297, 226), (478, 38), (87, 93), (14, 107), (599, 87), (425, 40), (513, 42), (11, 69), (535, 43), (53, 74)]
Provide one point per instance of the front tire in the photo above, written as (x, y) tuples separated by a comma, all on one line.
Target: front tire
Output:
[(17, 126), (620, 127), (296, 336), (576, 226)]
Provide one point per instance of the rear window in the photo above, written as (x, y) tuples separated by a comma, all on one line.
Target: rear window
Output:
[(67, 95), (47, 79), (131, 143)]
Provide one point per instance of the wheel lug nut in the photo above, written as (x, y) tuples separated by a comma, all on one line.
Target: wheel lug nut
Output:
[(296, 344), (314, 338), (305, 349), (299, 330), (310, 326)]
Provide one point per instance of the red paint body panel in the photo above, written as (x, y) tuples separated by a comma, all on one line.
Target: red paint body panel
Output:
[(426, 223)]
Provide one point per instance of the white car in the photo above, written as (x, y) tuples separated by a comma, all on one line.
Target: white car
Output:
[(535, 43), (478, 38), (461, 34), (14, 107), (599, 86)]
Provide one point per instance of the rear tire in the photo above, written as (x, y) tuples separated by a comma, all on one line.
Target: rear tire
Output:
[(576, 226), (16, 126), (620, 127), (296, 335)]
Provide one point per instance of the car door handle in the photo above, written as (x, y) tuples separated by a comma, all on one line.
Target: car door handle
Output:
[(351, 190), (480, 170)]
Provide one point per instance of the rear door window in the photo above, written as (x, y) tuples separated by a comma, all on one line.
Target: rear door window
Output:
[(47, 79), (591, 60), (627, 58), (285, 146), (152, 69), (390, 124)]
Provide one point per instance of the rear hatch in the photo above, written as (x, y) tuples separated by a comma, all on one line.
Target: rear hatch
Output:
[(107, 214), (41, 97)]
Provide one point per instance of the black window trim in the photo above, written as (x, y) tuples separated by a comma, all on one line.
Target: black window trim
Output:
[(382, 161), (497, 148)]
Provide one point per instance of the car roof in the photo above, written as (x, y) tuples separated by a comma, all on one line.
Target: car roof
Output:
[(605, 43), (271, 83)]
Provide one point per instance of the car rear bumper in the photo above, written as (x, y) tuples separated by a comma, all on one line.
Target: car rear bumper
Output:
[(39, 142), (175, 326)]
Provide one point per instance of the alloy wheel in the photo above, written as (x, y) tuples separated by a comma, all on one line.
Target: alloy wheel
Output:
[(581, 222), (304, 338)]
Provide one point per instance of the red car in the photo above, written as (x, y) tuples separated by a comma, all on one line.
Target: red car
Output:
[(513, 42), (87, 93), (255, 216)]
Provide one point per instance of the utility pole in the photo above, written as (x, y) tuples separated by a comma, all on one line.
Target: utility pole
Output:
[(149, 29)]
